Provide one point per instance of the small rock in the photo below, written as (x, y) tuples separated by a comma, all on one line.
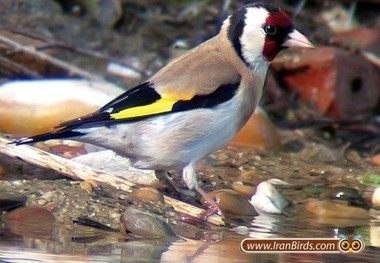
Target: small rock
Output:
[(241, 230), (335, 210), (268, 200), (34, 221), (42, 202), (243, 189), (150, 195), (231, 202), (11, 200), (87, 186), (68, 151), (145, 224)]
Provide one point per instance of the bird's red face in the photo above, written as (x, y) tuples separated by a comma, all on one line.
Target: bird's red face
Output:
[(277, 27), (260, 31)]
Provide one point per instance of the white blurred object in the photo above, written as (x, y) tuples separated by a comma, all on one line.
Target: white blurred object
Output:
[(339, 19), (124, 71), (267, 200), (376, 198), (33, 107), (57, 90)]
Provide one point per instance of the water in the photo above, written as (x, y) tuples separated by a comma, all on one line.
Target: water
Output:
[(114, 248)]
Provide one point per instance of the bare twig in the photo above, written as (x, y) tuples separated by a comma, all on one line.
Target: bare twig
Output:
[(17, 68), (299, 8), (72, 70), (53, 44), (78, 171), (351, 13)]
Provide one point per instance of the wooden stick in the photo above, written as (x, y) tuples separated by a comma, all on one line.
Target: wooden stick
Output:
[(79, 171), (71, 70)]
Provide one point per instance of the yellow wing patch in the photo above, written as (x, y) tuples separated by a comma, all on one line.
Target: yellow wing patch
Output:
[(159, 106)]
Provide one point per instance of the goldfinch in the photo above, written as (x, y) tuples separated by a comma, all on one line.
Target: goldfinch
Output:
[(196, 103)]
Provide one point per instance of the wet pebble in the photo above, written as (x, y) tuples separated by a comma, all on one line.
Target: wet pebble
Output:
[(243, 189), (241, 230), (231, 202), (268, 200), (42, 202), (145, 224), (11, 200), (87, 186), (331, 209), (31, 221), (149, 195)]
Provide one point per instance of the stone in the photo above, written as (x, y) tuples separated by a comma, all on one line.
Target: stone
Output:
[(339, 83)]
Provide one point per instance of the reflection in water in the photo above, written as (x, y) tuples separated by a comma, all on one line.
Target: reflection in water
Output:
[(17, 255), (265, 226), (112, 247)]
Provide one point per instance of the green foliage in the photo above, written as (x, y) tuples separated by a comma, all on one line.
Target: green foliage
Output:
[(370, 180)]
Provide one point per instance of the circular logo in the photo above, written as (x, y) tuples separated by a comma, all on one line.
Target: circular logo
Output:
[(350, 243)]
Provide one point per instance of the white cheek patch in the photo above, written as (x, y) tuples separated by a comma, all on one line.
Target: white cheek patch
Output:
[(253, 37)]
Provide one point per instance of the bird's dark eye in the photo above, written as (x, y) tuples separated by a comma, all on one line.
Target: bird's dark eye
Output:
[(270, 30)]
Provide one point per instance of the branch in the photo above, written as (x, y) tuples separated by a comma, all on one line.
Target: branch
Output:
[(72, 70), (78, 171)]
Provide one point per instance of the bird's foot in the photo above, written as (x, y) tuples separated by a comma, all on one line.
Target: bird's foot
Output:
[(212, 205)]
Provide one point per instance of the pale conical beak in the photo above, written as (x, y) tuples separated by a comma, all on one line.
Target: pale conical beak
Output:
[(296, 39)]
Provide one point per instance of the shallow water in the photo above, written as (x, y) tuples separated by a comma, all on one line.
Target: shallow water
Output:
[(111, 247)]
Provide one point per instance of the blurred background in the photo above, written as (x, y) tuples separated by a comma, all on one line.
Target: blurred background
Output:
[(125, 42), (315, 137)]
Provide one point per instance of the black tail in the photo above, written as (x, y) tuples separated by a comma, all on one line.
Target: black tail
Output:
[(62, 134)]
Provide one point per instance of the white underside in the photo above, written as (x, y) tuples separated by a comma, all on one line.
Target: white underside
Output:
[(170, 141)]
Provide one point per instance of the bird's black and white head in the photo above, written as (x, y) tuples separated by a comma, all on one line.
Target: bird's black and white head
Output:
[(259, 31)]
